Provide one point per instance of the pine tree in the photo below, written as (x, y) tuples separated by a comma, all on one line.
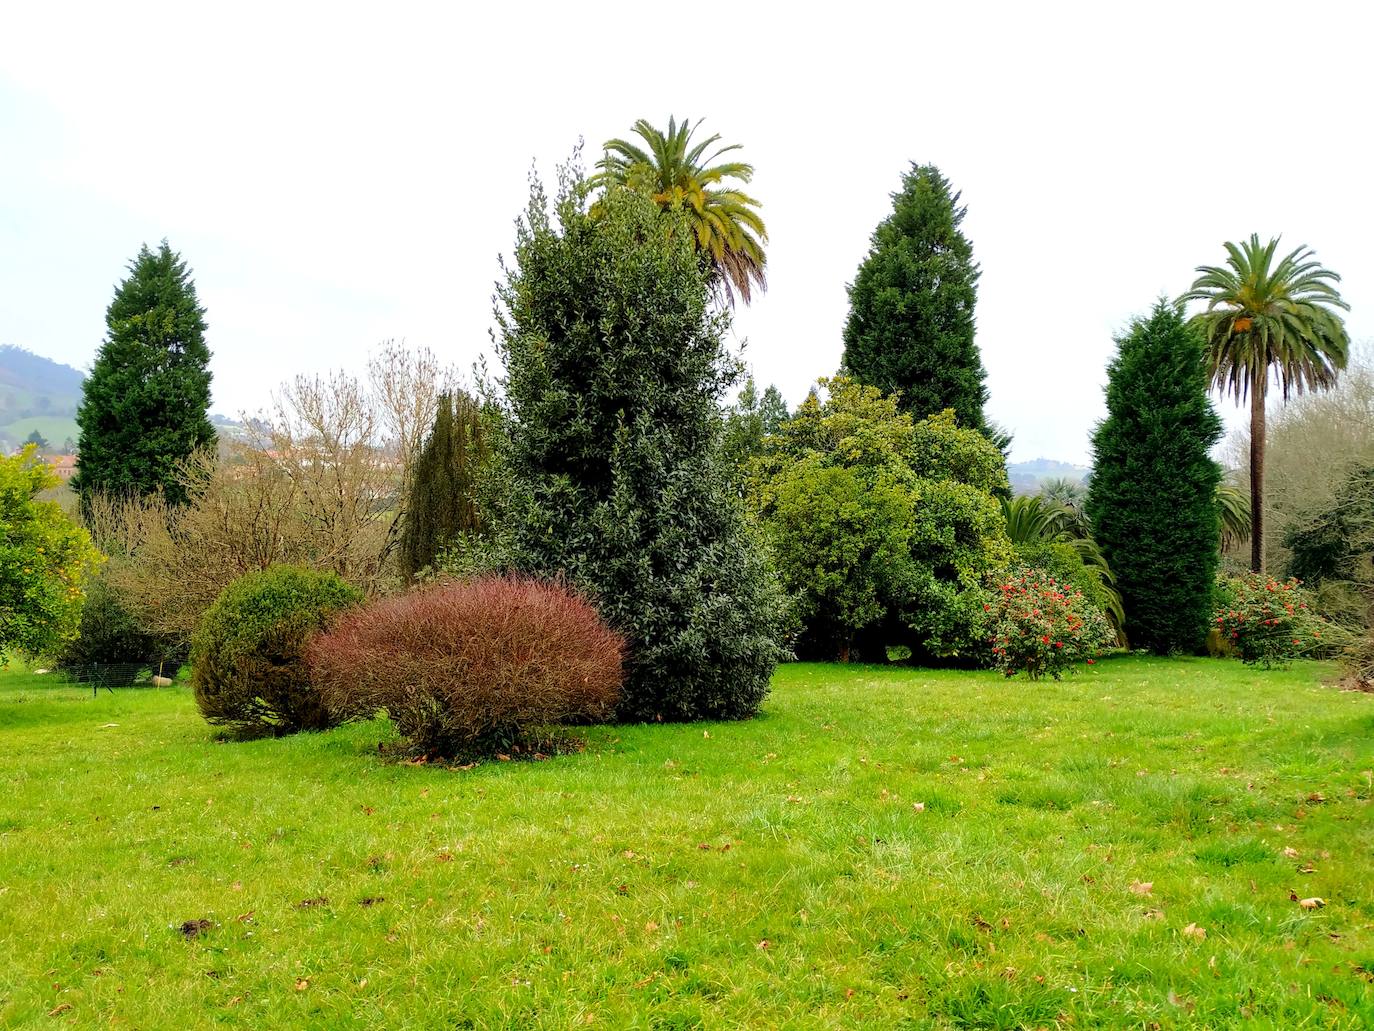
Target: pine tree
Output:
[(911, 305), (1152, 497), (443, 504), (145, 403), (615, 364)]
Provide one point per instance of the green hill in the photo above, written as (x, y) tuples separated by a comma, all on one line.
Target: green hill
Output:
[(36, 393)]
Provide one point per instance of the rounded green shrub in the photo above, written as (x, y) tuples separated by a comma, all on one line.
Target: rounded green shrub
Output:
[(247, 669)]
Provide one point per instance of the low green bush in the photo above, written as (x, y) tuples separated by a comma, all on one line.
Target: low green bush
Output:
[(247, 668)]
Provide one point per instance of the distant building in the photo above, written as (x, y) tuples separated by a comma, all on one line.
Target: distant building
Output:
[(63, 465)]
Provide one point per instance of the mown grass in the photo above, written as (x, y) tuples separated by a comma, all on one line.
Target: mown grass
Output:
[(771, 874)]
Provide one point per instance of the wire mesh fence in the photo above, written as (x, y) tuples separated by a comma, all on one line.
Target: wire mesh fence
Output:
[(109, 675)]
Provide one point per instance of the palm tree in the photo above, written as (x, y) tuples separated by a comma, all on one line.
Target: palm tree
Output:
[(1265, 319), (1233, 504), (727, 229)]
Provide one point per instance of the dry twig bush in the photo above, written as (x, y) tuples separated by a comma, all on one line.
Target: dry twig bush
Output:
[(318, 483), (470, 667)]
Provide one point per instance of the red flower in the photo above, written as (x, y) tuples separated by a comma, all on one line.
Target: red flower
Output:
[(1044, 640), (1092, 662)]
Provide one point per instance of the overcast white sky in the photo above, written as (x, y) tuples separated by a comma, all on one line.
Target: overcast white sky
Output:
[(337, 174)]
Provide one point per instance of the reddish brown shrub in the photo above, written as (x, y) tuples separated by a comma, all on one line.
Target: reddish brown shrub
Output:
[(461, 667)]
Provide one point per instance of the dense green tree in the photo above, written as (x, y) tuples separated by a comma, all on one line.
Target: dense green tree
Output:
[(45, 560), (1333, 543), (1152, 498), (615, 366), (745, 426), (884, 529), (37, 440), (1262, 320), (727, 231), (144, 409), (911, 318), (443, 504)]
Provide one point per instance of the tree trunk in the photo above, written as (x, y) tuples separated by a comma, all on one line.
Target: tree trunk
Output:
[(1258, 389)]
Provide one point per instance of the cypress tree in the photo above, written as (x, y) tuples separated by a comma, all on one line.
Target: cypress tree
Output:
[(911, 304), (1152, 498), (615, 364), (144, 407), (442, 504)]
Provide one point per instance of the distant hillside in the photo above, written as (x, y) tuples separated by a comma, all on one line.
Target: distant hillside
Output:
[(1026, 477), (36, 393)]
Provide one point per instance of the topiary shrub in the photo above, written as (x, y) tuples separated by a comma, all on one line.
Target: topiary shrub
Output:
[(1043, 626), (473, 666), (247, 667)]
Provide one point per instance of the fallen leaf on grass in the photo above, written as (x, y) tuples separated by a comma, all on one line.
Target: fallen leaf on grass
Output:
[(1290, 852), (1316, 797), (919, 807), (1142, 887), (371, 900), (194, 928), (1194, 931), (318, 900), (59, 1010), (1312, 903), (302, 983), (764, 943)]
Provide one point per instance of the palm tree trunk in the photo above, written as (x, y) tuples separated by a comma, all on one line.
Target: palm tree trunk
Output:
[(1258, 389)]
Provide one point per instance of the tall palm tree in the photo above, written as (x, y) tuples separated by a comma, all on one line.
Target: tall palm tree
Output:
[(1266, 320), (727, 229)]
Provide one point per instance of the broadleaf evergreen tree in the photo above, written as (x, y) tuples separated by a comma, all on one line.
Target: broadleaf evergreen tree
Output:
[(1152, 497), (911, 305), (443, 505), (615, 364), (144, 407)]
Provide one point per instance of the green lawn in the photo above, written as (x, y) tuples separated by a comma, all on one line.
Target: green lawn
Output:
[(881, 848)]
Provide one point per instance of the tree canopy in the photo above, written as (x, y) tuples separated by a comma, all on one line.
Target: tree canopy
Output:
[(144, 410), (911, 305)]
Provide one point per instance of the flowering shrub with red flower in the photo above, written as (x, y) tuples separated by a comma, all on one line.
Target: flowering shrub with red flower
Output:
[(1270, 622), (1040, 625)]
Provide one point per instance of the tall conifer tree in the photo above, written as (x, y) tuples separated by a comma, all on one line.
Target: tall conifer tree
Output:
[(1152, 498), (443, 504), (145, 403), (911, 305)]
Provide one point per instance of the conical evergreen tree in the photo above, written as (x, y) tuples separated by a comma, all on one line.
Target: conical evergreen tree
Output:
[(145, 403), (615, 364), (1152, 497), (911, 305), (442, 504)]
